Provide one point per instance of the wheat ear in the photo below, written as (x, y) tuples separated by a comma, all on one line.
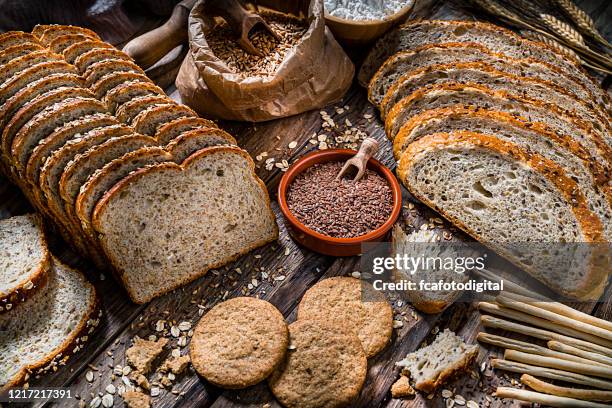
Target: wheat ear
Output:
[(562, 29), (582, 20), (497, 9), (551, 43)]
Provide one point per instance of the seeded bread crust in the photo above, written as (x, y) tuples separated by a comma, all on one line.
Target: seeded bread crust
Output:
[(590, 224), (59, 44), (36, 280), (128, 91), (75, 50), (125, 183), (188, 142), (170, 130), (23, 62), (11, 38), (47, 33), (111, 80), (19, 50), (149, 120), (99, 69), (98, 54), (129, 110)]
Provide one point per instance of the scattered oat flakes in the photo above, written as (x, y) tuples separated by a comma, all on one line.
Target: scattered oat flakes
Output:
[(95, 403), (293, 145), (89, 376), (107, 401), (397, 324)]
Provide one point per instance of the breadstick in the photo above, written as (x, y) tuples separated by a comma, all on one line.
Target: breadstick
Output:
[(494, 322), (551, 373), (545, 399), (547, 388), (508, 285), (546, 324), (530, 348), (565, 348), (554, 317), (562, 309), (552, 362)]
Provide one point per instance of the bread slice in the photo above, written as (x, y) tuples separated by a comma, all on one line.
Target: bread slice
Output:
[(129, 110), (189, 142), (415, 34), (522, 108), (17, 82), (128, 91), (60, 43), (59, 320), (43, 124), (535, 137), (497, 179), (19, 50), (25, 259), (46, 34), (485, 74), (431, 366), (165, 133), (446, 53), (99, 69), (34, 89), (84, 60), (75, 50), (11, 38), (420, 230), (147, 121), (212, 205), (17, 65), (111, 80)]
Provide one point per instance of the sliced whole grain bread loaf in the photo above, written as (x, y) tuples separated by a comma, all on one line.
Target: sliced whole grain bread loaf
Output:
[(59, 320), (129, 110), (533, 137), (75, 50), (25, 259), (60, 43), (216, 186), (522, 108), (111, 80), (128, 91), (189, 142), (172, 129), (39, 29), (445, 53), (84, 60), (147, 121), (12, 38), (47, 33), (497, 179), (17, 65), (101, 68), (19, 50), (418, 33)]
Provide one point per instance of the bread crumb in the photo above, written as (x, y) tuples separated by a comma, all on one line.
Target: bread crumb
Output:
[(135, 399), (142, 354), (176, 365), (401, 388), (140, 380)]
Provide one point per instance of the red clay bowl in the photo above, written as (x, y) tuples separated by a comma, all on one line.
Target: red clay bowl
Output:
[(322, 243)]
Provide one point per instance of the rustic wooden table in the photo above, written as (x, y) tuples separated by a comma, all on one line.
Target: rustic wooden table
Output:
[(283, 272)]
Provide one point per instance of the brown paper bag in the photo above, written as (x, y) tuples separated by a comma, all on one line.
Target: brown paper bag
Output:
[(315, 73)]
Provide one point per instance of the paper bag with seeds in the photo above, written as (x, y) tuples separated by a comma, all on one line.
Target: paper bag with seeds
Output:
[(306, 69)]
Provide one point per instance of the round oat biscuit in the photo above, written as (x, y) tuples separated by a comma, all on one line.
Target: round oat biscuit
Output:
[(239, 342), (325, 367), (343, 301)]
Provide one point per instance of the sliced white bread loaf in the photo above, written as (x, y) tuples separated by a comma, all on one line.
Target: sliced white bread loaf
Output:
[(225, 212), (25, 259), (447, 356), (415, 34), (498, 180), (59, 320), (75, 50), (536, 137), (522, 108)]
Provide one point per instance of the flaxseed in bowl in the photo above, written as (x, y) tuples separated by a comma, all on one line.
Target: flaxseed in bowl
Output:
[(336, 216)]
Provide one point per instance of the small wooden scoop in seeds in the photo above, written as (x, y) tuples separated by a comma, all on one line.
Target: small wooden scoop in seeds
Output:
[(368, 148), (241, 21)]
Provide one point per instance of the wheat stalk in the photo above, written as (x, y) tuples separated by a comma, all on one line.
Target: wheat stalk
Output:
[(563, 30), (497, 9), (582, 20)]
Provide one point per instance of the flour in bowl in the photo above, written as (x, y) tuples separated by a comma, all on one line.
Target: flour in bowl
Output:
[(361, 10)]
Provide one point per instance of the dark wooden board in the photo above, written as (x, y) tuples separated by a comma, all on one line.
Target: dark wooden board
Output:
[(299, 267)]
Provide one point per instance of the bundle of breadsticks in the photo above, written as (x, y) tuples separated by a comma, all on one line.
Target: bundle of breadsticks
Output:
[(578, 350)]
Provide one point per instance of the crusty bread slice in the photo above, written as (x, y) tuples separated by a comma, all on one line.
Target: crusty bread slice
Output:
[(432, 365), (17, 82), (446, 53), (536, 137), (60, 43), (224, 213), (129, 110), (522, 108), (17, 65), (487, 75), (497, 178), (147, 121), (111, 80), (11, 38), (43, 124), (25, 259), (191, 141), (19, 50), (59, 320), (101, 68), (420, 230), (34, 89), (165, 133), (75, 50), (415, 34), (47, 33), (128, 91), (84, 60)]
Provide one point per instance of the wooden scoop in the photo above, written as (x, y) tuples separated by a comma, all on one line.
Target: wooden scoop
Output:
[(368, 148), (241, 21)]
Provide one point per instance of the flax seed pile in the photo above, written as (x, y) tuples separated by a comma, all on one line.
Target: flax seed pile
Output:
[(222, 41), (339, 208)]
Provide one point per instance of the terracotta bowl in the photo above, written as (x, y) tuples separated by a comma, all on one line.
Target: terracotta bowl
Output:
[(355, 33), (322, 243)]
